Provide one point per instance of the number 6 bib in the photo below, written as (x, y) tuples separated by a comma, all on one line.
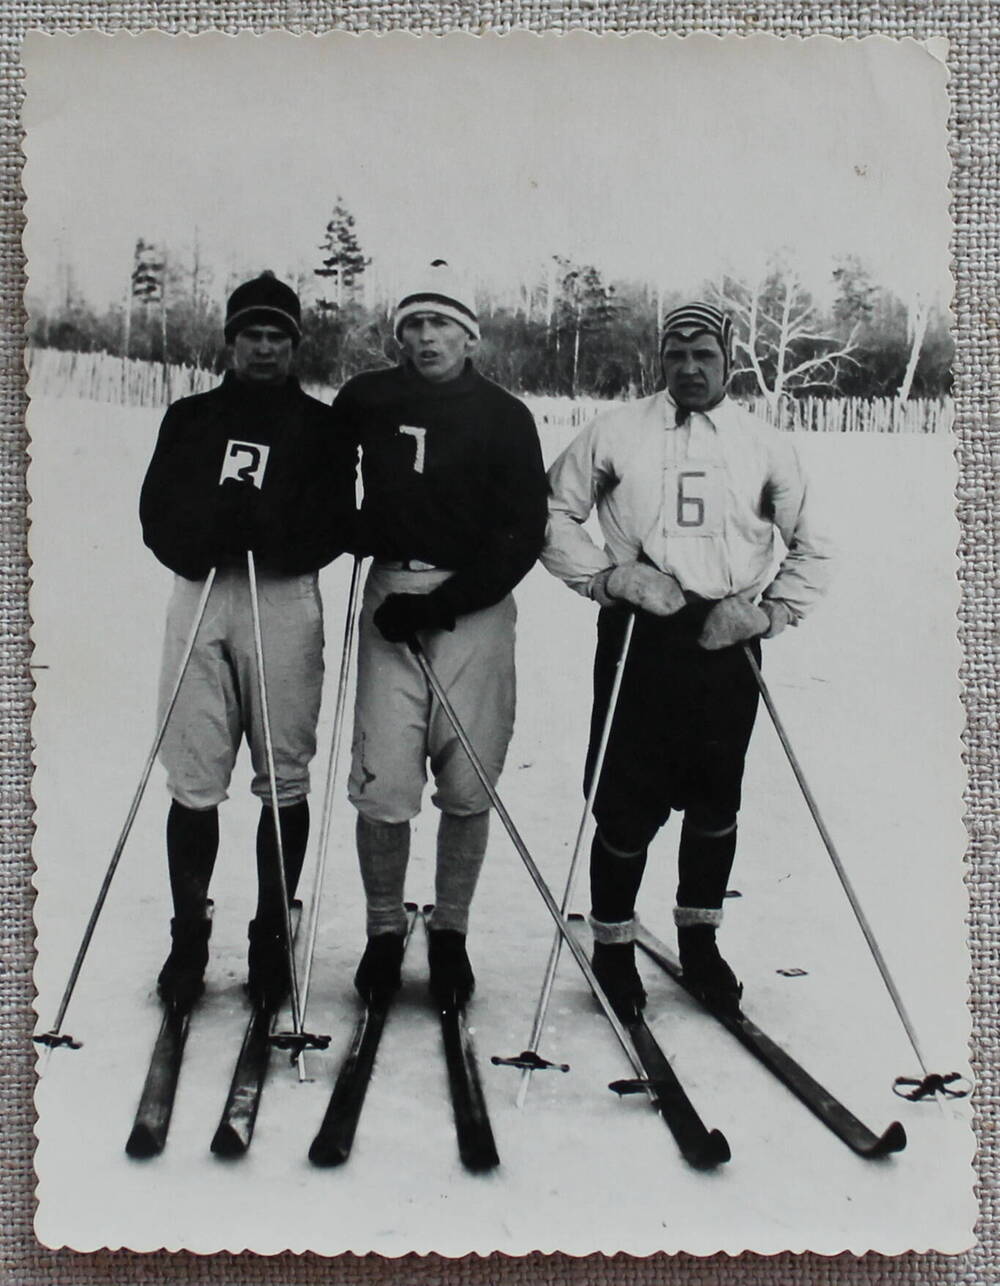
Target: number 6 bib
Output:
[(693, 498)]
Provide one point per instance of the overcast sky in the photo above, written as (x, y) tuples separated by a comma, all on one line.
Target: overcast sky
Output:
[(662, 160)]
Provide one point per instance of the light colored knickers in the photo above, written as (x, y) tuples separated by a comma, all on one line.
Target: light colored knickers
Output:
[(398, 728), (218, 701)]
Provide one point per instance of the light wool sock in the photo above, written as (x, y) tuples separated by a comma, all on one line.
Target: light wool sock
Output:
[(383, 854), (461, 847)]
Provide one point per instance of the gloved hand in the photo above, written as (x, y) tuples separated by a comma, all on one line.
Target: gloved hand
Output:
[(733, 620), (641, 585), (236, 521), (401, 616), (778, 613)]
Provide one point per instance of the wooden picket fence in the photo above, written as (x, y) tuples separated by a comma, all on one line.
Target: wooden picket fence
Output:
[(101, 377), (803, 415), (859, 414)]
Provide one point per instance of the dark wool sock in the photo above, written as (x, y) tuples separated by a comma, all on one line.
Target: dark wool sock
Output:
[(192, 846), (704, 863), (294, 821), (614, 881)]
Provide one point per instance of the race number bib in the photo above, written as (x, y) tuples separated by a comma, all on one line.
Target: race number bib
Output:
[(693, 498), (245, 461), (419, 436)]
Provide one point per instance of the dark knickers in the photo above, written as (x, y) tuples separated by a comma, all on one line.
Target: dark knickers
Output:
[(681, 726)]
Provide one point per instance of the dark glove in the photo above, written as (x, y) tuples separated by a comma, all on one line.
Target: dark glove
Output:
[(236, 521), (401, 616)]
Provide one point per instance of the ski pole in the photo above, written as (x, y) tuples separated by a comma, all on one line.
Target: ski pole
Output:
[(838, 865), (297, 1039), (704, 1148), (530, 1055), (54, 1037), (331, 774), (565, 932)]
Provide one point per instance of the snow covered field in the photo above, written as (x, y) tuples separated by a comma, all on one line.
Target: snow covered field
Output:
[(869, 692)]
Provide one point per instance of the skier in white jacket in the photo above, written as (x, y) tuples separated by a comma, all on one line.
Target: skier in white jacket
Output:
[(692, 493)]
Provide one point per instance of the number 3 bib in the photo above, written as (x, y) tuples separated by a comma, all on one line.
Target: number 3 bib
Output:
[(693, 498)]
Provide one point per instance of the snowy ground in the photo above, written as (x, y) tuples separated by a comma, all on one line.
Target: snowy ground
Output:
[(868, 689)]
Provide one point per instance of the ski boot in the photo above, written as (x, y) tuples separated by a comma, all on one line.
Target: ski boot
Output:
[(182, 979), (706, 974), (379, 975), (614, 965), (452, 981), (268, 982)]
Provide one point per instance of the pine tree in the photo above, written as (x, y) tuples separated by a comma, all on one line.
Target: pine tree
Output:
[(343, 262)]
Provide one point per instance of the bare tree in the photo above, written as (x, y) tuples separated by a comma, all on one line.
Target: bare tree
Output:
[(780, 337), (584, 304), (917, 317)]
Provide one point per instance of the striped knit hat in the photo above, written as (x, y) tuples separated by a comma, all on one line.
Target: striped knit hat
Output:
[(696, 319), (438, 290)]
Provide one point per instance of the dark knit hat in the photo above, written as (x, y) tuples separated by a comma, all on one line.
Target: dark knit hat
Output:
[(697, 319), (264, 301), (438, 290)]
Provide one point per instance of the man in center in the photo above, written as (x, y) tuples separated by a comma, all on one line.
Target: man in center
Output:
[(454, 515)]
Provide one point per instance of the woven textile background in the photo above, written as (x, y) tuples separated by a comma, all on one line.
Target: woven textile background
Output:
[(974, 32)]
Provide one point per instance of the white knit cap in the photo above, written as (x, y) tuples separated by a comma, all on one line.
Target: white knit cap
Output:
[(438, 290)]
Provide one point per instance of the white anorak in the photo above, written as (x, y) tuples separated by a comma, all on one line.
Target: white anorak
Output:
[(704, 501)]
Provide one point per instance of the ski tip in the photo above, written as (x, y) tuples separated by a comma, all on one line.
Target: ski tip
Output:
[(892, 1140), (229, 1143), (714, 1151), (143, 1142), (326, 1154), (480, 1160)]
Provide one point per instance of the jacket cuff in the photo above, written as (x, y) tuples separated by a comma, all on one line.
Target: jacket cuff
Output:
[(597, 588)]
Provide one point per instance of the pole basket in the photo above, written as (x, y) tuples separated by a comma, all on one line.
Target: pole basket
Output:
[(529, 1060), (55, 1039), (923, 1090), (297, 1041)]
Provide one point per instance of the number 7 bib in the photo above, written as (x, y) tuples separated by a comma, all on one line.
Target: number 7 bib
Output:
[(693, 498)]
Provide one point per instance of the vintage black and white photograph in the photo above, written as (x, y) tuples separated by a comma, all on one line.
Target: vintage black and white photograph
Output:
[(497, 731)]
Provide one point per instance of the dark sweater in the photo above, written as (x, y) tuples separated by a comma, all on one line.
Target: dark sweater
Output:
[(452, 476), (305, 507)]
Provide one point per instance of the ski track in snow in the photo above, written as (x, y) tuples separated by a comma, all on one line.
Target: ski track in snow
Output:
[(867, 688)]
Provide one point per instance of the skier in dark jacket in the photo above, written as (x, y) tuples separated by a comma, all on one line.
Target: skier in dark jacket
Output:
[(454, 516), (251, 465)]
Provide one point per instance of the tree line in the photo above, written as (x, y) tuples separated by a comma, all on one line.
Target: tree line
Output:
[(569, 333)]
